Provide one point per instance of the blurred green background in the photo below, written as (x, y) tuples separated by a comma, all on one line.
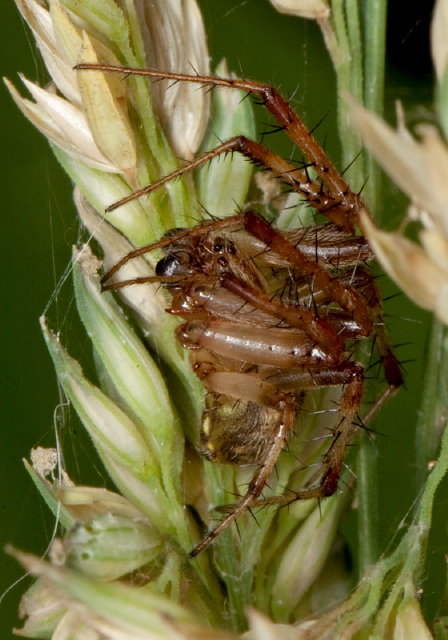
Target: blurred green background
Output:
[(39, 226)]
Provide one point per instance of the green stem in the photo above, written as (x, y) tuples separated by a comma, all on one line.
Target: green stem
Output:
[(374, 65), (343, 68), (356, 78), (354, 85), (367, 473), (349, 74), (432, 414), (438, 473), (360, 71), (375, 51)]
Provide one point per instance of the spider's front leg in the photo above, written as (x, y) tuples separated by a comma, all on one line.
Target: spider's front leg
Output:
[(297, 179), (341, 203)]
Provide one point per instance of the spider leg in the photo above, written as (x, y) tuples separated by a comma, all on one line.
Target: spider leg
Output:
[(389, 361), (328, 476), (345, 296), (294, 315), (298, 180), (140, 280)]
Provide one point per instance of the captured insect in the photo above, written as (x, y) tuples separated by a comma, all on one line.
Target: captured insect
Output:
[(268, 314)]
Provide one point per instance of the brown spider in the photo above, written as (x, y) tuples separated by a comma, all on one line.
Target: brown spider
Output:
[(267, 313)]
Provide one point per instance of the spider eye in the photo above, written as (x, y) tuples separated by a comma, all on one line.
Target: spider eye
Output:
[(222, 245)]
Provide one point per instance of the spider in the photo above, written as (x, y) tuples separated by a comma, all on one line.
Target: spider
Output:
[(267, 313)]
